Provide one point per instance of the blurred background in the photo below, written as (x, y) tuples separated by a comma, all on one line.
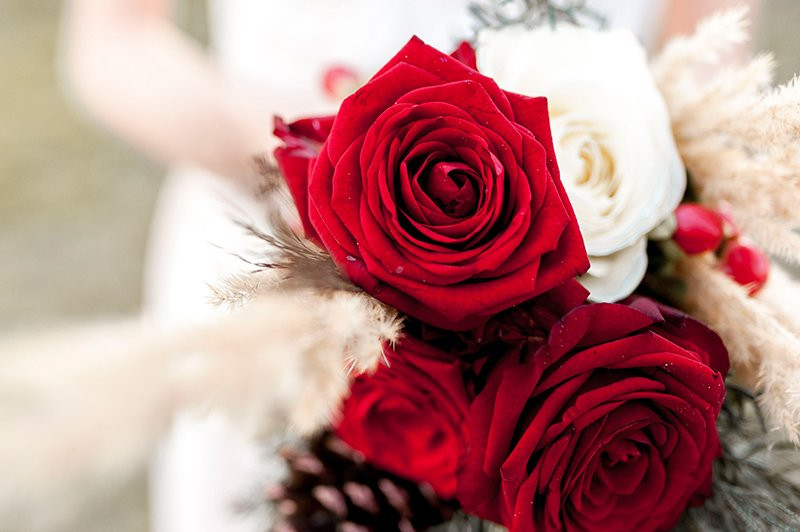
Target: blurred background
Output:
[(75, 207), (75, 204)]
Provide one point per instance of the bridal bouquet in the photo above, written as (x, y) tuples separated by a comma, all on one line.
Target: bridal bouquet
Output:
[(524, 206)]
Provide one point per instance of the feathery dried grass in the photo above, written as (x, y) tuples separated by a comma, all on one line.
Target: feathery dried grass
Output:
[(782, 294), (300, 263), (238, 290), (713, 38), (285, 261), (764, 352), (85, 408), (777, 237), (736, 134), (738, 137)]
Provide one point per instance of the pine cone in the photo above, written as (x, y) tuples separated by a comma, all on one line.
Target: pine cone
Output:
[(330, 488)]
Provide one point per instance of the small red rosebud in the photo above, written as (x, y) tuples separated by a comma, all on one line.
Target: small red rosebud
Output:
[(699, 228), (746, 264), (340, 81)]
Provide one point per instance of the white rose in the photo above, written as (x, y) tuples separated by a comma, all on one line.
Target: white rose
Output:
[(612, 138)]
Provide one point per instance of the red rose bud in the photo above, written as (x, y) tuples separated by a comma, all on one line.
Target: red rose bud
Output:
[(340, 82), (408, 417), (699, 228), (746, 264)]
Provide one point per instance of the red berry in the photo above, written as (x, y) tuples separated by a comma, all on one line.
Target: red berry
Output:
[(340, 81), (746, 264), (699, 228)]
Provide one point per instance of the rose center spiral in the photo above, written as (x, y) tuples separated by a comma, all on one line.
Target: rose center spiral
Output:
[(621, 452), (624, 465), (451, 186)]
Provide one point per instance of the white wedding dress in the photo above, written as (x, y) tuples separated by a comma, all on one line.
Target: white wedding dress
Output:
[(205, 468)]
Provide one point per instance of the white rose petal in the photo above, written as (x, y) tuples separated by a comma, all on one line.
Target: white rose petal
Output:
[(611, 134), (606, 280)]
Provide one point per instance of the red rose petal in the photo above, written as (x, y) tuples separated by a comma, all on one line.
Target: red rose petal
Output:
[(360, 110), (614, 429), (466, 54), (419, 54)]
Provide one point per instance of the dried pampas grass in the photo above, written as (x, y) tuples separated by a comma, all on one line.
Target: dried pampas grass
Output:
[(738, 137), (764, 349), (85, 408)]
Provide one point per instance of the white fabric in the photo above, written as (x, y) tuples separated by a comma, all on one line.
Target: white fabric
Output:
[(287, 44), (206, 467)]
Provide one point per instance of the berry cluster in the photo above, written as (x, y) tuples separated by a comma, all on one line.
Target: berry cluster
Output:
[(700, 230)]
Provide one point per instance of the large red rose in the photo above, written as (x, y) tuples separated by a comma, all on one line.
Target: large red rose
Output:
[(437, 192), (408, 417), (609, 426)]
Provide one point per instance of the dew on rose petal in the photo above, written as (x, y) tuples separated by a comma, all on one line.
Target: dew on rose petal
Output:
[(399, 270), (351, 258)]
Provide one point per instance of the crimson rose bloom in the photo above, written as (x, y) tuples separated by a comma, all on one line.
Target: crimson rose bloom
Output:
[(609, 426), (436, 191), (408, 418)]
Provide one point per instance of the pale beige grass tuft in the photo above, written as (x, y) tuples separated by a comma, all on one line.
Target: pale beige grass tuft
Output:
[(85, 408), (739, 138), (763, 346)]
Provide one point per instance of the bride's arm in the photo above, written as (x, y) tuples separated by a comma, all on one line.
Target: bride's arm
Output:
[(133, 70)]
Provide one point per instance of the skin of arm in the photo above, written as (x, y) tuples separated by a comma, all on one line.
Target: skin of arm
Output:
[(128, 65)]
